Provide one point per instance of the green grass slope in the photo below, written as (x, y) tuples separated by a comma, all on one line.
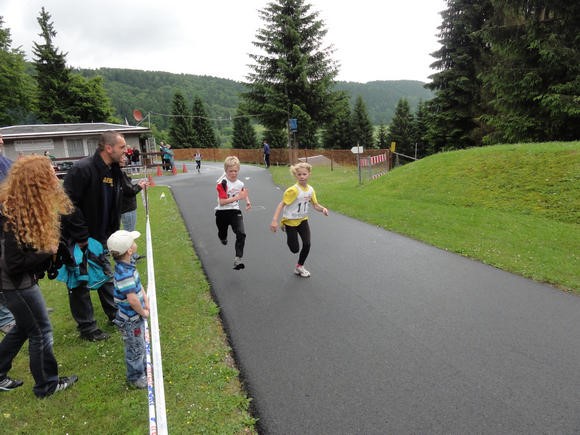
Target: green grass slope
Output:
[(516, 207)]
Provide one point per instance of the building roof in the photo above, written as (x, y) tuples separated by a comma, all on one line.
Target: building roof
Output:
[(51, 130)]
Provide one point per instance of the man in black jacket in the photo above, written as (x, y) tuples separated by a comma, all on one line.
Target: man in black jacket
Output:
[(94, 186)]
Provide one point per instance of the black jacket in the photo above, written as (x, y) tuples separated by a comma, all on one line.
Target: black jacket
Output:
[(130, 191), (20, 266), (84, 185)]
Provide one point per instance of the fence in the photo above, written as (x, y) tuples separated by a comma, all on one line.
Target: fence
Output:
[(278, 156)]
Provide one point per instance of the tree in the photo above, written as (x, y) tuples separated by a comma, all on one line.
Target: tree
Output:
[(401, 129), (89, 101), (201, 126), (244, 135), (382, 137), (293, 76), (457, 105), (16, 87), (52, 75), (362, 129), (64, 96), (338, 131), (420, 130), (181, 132), (534, 81)]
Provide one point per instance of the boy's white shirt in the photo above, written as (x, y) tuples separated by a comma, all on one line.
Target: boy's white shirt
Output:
[(232, 189)]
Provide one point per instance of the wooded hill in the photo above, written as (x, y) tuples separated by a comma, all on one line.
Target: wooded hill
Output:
[(152, 92)]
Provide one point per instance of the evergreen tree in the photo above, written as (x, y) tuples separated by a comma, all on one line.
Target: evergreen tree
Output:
[(89, 101), (52, 75), (16, 87), (64, 96), (401, 129), (420, 130), (293, 76), (276, 138), (338, 132), (181, 133), (534, 82), (382, 137), (203, 131), (362, 129), (244, 135), (463, 56)]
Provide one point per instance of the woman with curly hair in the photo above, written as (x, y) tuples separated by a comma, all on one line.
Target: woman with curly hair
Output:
[(32, 201)]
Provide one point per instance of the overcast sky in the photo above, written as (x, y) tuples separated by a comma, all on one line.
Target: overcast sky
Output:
[(373, 39)]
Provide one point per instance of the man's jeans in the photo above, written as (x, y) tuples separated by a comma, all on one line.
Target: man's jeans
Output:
[(129, 220), (133, 332), (32, 324)]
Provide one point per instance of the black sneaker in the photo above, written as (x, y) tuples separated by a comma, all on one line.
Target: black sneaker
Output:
[(63, 384), (238, 264), (96, 335), (8, 384)]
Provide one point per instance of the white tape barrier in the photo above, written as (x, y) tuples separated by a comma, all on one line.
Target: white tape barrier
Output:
[(157, 420)]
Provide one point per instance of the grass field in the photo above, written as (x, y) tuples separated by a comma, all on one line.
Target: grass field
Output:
[(515, 207)]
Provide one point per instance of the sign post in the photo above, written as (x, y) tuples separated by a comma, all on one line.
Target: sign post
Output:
[(358, 150)]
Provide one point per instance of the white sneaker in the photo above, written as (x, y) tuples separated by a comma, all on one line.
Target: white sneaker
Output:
[(299, 270)]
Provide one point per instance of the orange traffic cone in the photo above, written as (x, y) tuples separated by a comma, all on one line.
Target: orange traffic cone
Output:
[(159, 173), (174, 170), (184, 170), (151, 182)]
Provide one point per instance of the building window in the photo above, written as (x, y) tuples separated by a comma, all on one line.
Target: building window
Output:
[(75, 148), (38, 146)]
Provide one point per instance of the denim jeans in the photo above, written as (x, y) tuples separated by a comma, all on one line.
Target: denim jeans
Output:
[(133, 332), (32, 324), (6, 316), (129, 220)]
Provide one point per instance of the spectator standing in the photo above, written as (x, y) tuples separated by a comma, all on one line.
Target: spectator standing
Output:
[(132, 303), (32, 200), (94, 184), (266, 154), (129, 202), (6, 317)]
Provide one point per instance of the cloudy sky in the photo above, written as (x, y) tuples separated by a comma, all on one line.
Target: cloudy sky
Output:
[(373, 39)]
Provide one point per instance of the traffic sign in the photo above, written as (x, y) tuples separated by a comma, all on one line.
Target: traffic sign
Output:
[(356, 150)]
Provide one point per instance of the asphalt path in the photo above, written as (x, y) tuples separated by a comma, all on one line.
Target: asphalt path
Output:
[(388, 335)]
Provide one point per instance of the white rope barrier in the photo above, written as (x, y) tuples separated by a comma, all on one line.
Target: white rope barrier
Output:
[(156, 396)]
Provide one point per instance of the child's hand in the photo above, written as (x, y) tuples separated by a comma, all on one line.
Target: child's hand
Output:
[(145, 313), (274, 226), (243, 194), (324, 211)]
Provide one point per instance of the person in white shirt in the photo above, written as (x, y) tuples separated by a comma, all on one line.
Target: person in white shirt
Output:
[(230, 191)]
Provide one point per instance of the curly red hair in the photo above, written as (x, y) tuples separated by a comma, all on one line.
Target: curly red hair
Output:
[(32, 200)]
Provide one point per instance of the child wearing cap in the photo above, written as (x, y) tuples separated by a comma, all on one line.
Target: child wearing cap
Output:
[(132, 304)]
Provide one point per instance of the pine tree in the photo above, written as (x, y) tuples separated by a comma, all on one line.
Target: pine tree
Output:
[(293, 76), (382, 137), (203, 131), (52, 75), (338, 132), (401, 129), (181, 133), (244, 135), (534, 82), (16, 87), (64, 96), (463, 56), (420, 130), (362, 129)]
